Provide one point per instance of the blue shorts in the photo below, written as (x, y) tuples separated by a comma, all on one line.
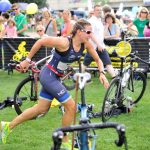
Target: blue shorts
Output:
[(52, 87), (104, 56)]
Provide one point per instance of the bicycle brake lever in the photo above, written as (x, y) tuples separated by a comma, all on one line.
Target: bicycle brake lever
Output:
[(121, 135), (18, 68), (57, 139)]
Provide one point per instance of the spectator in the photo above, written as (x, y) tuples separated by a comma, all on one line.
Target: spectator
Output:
[(6, 16), (90, 14), (147, 29), (97, 37), (140, 21), (40, 30), (60, 22), (32, 24), (106, 9), (11, 30), (20, 20), (68, 24), (118, 18), (49, 23), (2, 27), (38, 20), (111, 30)]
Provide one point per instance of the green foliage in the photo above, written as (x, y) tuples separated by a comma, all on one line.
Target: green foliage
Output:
[(100, 1), (40, 3)]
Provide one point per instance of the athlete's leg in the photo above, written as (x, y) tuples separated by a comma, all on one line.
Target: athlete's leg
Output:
[(111, 70), (41, 108), (6, 127), (68, 116)]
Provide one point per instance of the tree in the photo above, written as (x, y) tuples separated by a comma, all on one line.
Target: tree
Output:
[(40, 3)]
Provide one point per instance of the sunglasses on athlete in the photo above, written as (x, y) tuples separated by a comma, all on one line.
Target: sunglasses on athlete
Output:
[(87, 32)]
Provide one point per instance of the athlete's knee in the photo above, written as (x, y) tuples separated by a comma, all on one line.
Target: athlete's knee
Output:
[(42, 109), (70, 107)]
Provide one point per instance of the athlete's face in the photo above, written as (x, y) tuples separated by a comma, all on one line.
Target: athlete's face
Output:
[(86, 32)]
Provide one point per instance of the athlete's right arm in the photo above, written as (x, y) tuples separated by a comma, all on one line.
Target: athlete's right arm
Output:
[(58, 42)]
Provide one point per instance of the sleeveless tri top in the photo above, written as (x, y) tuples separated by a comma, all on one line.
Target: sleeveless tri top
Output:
[(59, 60)]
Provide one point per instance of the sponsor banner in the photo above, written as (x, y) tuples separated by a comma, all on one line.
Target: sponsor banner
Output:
[(18, 48), (15, 49)]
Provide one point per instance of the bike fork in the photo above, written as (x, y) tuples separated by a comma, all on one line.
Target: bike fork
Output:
[(84, 140), (84, 134)]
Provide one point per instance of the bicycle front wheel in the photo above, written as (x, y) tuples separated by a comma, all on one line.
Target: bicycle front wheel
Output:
[(135, 87), (26, 94), (110, 100)]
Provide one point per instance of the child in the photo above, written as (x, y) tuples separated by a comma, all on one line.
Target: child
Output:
[(11, 30)]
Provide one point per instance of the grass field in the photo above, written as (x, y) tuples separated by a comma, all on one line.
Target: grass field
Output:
[(36, 134)]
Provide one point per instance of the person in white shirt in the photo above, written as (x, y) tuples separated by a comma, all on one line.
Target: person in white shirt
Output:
[(97, 39)]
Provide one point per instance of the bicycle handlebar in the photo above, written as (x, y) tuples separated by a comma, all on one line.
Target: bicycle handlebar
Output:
[(32, 67), (133, 55), (58, 134)]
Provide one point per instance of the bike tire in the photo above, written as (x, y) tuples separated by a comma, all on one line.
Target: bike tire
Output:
[(136, 86), (109, 103), (25, 95)]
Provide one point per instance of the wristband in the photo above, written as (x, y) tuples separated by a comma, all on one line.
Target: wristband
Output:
[(28, 59), (102, 72)]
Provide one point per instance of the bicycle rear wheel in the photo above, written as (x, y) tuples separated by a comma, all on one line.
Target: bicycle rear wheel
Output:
[(26, 94), (110, 100), (135, 87), (68, 81)]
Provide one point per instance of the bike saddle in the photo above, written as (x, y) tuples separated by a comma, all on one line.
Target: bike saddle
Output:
[(83, 78)]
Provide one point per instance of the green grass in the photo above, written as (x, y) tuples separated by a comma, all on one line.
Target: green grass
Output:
[(36, 134)]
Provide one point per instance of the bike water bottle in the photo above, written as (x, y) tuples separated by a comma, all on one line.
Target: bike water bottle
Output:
[(125, 78)]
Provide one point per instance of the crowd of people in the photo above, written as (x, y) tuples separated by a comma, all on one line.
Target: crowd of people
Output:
[(62, 24), (70, 36)]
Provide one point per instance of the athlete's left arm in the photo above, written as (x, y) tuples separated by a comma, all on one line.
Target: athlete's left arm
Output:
[(99, 63)]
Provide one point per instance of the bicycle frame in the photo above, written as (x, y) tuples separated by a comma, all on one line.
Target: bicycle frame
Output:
[(121, 79), (85, 124), (124, 82), (130, 69)]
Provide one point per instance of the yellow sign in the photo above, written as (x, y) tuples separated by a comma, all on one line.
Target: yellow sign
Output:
[(21, 52)]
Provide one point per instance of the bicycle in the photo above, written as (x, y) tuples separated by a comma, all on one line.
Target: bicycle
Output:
[(125, 90), (85, 133), (26, 93)]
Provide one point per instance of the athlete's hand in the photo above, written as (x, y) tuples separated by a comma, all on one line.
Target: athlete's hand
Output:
[(104, 80), (24, 65)]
